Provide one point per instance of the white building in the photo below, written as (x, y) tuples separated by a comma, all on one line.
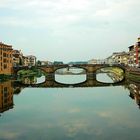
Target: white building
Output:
[(30, 60), (92, 61)]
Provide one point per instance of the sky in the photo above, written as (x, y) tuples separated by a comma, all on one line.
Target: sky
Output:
[(69, 30)]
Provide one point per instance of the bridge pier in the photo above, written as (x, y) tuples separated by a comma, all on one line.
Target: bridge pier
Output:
[(50, 77), (91, 76)]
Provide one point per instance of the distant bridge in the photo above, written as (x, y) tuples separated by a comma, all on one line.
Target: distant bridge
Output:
[(90, 81), (91, 69)]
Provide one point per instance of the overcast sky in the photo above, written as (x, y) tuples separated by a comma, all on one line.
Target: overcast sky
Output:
[(69, 30)]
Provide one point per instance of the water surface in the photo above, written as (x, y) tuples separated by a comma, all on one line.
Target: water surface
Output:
[(98, 113)]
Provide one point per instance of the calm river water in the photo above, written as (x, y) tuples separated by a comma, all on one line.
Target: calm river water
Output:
[(86, 113)]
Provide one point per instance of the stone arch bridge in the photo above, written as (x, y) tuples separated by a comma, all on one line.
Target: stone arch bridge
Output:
[(90, 69)]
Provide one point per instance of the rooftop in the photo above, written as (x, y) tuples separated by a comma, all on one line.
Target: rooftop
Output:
[(5, 44)]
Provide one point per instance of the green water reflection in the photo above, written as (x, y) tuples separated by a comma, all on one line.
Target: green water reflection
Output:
[(99, 113)]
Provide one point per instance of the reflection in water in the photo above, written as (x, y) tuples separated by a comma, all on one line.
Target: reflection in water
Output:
[(68, 80), (70, 71), (6, 95), (32, 80), (115, 78), (70, 75), (103, 77), (40, 79), (29, 80), (69, 113), (135, 92), (8, 88)]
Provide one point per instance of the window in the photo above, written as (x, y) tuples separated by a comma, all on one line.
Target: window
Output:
[(5, 66), (4, 55), (4, 60)]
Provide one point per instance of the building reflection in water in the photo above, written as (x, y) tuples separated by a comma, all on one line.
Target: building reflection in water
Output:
[(8, 89), (135, 93), (6, 95)]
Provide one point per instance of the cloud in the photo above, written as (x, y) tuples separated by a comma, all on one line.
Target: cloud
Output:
[(65, 13), (103, 12), (71, 24)]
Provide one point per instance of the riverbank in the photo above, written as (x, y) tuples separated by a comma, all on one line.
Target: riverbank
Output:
[(133, 77), (130, 73), (21, 73), (28, 73), (133, 74), (115, 70)]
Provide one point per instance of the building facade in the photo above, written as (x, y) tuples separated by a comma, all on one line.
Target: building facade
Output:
[(17, 58), (118, 58), (134, 54), (122, 58), (6, 64), (92, 61), (25, 61), (30, 60)]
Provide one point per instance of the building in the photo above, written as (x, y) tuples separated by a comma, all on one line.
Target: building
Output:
[(92, 61), (78, 63), (58, 62), (118, 58), (109, 60), (20, 60), (6, 64), (44, 63), (30, 60), (112, 59), (134, 54), (17, 58), (25, 61), (122, 58), (131, 56)]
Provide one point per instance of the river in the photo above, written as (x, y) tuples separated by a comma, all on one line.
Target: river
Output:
[(82, 113)]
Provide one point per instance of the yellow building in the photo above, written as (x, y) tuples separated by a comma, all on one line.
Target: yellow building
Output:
[(122, 58), (6, 96), (5, 59), (119, 58)]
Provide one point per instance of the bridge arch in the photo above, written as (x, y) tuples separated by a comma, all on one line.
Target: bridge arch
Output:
[(76, 67), (116, 74), (111, 66)]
